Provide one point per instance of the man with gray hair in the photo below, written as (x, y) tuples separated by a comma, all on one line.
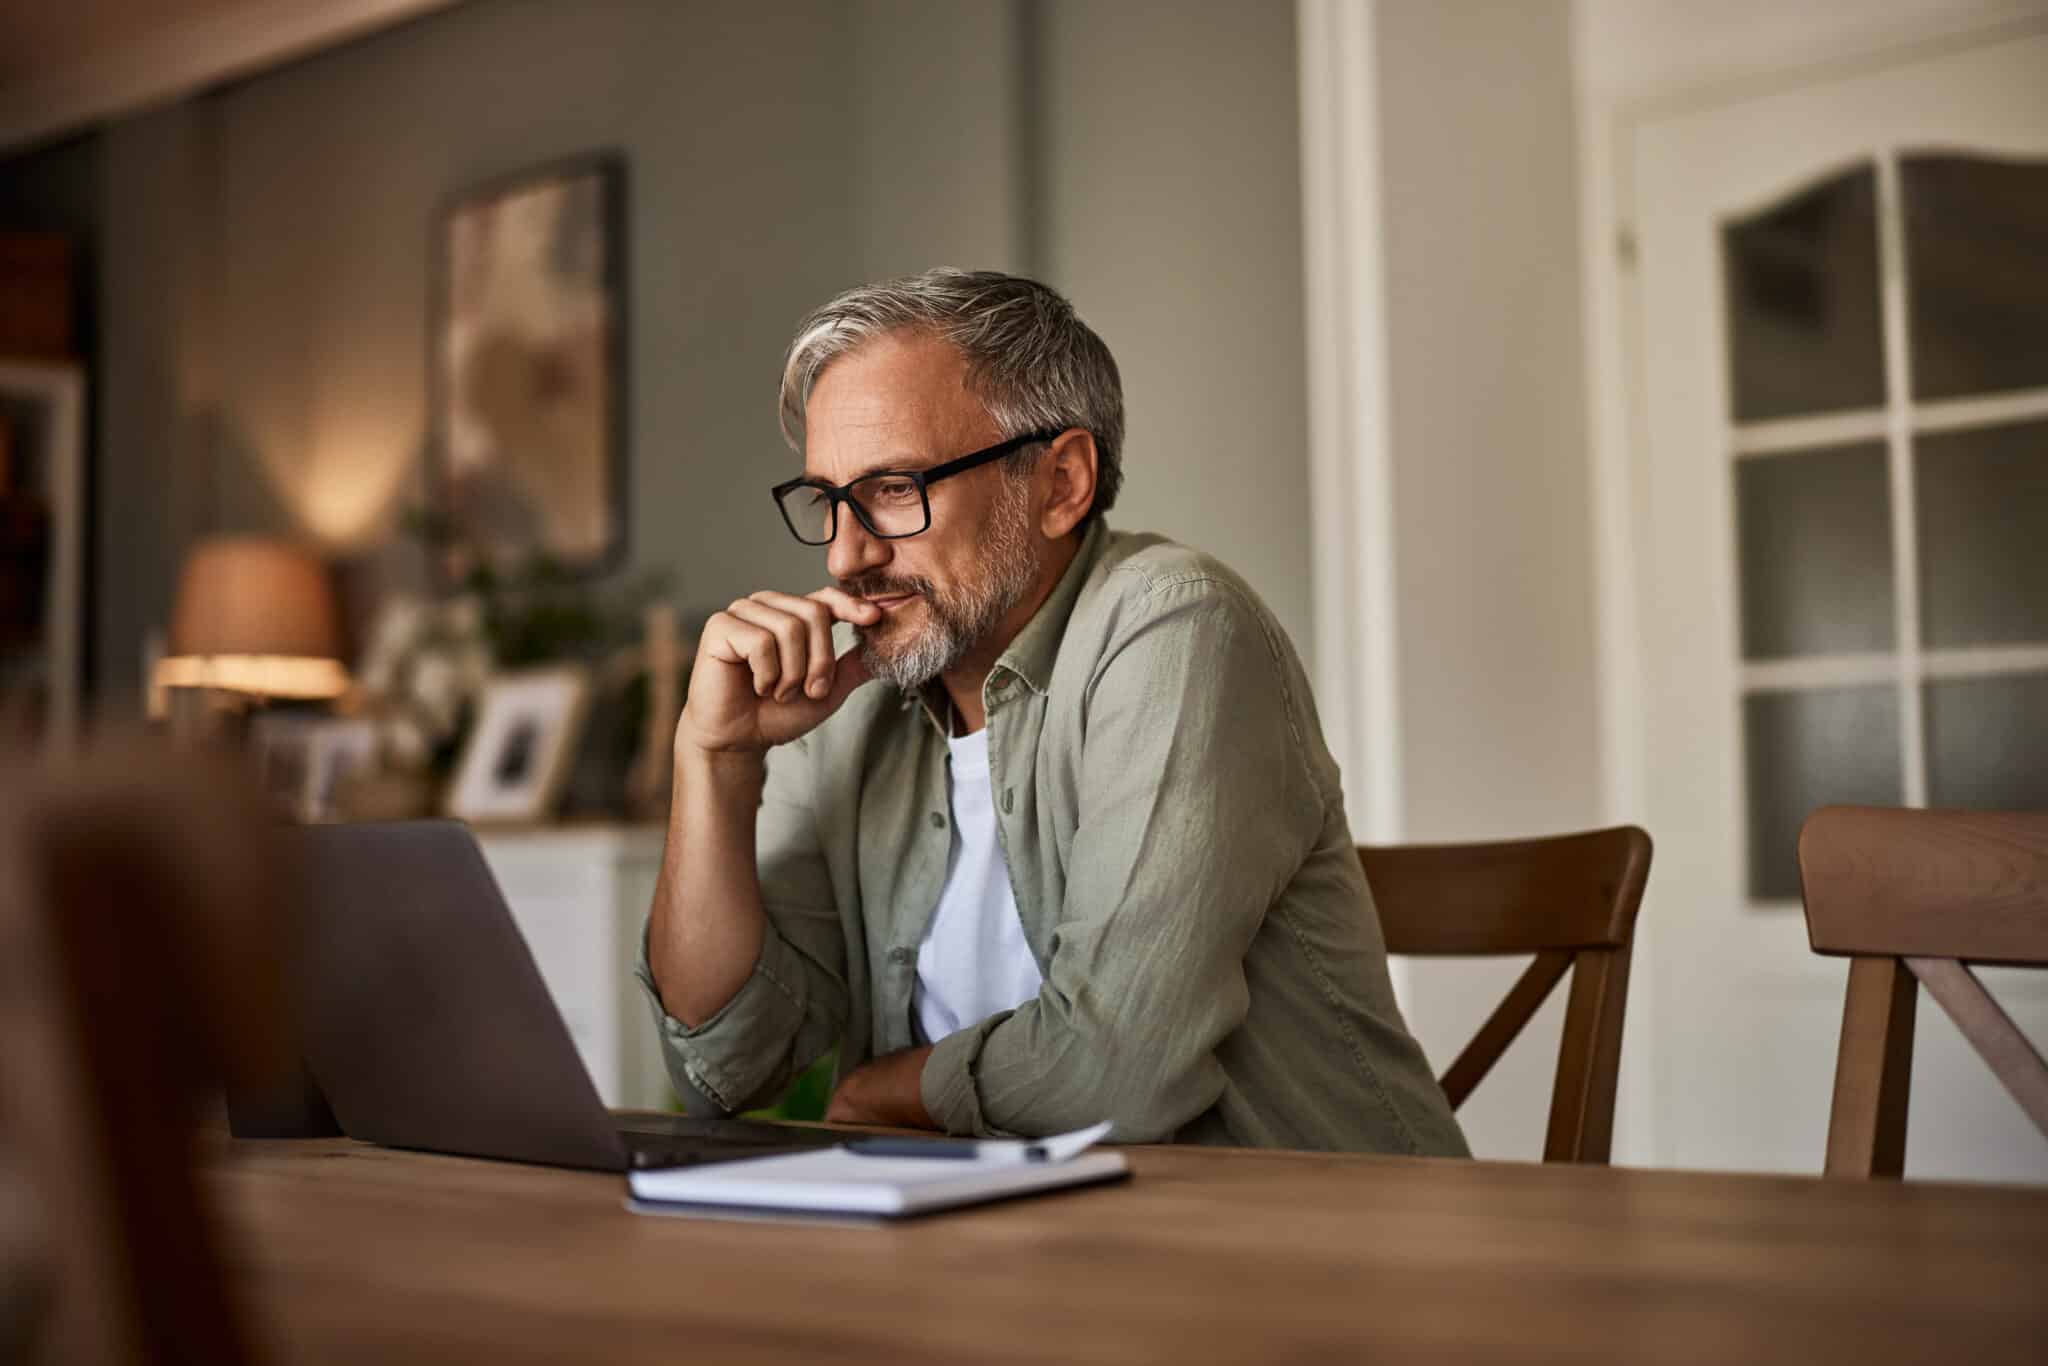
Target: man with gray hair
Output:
[(1085, 856)]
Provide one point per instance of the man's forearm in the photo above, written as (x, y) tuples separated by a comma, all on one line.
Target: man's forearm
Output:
[(705, 928)]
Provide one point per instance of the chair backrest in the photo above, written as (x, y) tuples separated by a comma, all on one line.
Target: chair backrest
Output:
[(1911, 898), (1571, 900), (140, 965)]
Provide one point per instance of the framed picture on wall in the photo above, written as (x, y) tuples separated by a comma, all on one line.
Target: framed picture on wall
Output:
[(519, 751), (527, 369)]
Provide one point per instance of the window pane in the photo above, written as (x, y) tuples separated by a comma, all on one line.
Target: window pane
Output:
[(1983, 517), (1814, 538), (1804, 323), (1807, 749), (1987, 742), (1976, 274)]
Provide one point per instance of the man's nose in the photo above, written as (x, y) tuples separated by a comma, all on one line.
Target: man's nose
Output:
[(854, 550)]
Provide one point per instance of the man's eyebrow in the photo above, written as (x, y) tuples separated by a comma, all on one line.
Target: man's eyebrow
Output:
[(903, 464)]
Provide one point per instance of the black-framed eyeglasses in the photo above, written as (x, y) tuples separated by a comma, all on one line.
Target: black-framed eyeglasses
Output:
[(891, 504)]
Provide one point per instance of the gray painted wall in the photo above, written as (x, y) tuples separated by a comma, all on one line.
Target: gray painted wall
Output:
[(1170, 214), (266, 260), (157, 422), (734, 124), (943, 109)]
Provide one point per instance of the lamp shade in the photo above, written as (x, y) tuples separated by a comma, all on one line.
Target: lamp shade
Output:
[(255, 616)]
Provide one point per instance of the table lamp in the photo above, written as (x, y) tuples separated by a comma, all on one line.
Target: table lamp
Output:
[(255, 617)]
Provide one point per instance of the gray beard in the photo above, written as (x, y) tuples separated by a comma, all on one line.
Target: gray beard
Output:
[(954, 627)]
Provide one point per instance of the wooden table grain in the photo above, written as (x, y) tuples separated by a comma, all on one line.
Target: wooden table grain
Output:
[(349, 1253)]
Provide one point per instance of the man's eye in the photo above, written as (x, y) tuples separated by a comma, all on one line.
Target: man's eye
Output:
[(896, 491)]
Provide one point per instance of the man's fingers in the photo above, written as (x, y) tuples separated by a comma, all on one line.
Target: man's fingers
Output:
[(720, 640), (844, 1106), (754, 647), (846, 606), (817, 621), (792, 644), (785, 642)]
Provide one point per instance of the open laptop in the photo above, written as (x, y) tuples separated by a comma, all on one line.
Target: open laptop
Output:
[(426, 1023)]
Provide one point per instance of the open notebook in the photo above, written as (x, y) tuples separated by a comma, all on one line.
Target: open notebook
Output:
[(875, 1179)]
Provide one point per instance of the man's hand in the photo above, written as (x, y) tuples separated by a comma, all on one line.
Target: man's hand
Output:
[(884, 1090), (765, 673)]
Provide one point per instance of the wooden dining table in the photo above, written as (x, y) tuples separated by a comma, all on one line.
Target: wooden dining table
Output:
[(343, 1252)]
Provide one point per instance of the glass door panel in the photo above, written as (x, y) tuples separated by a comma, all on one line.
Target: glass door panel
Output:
[(1987, 744), (1804, 321), (1983, 531), (1806, 749), (1815, 558), (1976, 232)]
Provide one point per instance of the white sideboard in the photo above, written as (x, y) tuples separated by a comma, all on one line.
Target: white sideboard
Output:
[(580, 895)]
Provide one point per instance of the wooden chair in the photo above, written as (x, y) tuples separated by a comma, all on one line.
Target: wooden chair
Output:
[(140, 966), (1912, 898), (1571, 900)]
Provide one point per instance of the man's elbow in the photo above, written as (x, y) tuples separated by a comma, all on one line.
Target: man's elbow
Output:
[(1078, 1069), (1147, 1102)]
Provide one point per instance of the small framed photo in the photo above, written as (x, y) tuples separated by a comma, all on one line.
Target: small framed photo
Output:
[(521, 748)]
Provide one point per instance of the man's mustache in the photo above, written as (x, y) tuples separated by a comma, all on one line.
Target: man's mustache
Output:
[(880, 586)]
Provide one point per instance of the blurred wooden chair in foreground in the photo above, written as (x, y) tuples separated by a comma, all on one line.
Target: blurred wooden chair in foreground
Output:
[(1913, 898), (1571, 900), (140, 967)]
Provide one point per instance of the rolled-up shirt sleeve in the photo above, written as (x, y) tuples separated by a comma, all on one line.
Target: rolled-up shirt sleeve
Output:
[(793, 1005), (1198, 806)]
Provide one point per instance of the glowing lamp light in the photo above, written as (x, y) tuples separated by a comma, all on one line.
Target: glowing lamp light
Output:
[(255, 616)]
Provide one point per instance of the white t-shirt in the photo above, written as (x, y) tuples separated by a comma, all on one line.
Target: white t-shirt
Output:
[(974, 960)]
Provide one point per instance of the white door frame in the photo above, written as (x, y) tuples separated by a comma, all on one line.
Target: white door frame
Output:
[(1350, 456)]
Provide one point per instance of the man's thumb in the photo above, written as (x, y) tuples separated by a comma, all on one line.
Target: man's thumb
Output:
[(850, 671)]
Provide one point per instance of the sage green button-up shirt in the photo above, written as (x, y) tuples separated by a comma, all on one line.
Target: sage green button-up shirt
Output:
[(1175, 836)]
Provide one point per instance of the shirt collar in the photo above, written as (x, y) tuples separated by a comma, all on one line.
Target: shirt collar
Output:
[(1032, 654)]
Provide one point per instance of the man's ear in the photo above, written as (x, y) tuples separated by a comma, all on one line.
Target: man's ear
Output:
[(1070, 466)]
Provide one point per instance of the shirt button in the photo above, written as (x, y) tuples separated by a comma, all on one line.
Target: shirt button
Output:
[(938, 821), (902, 955)]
